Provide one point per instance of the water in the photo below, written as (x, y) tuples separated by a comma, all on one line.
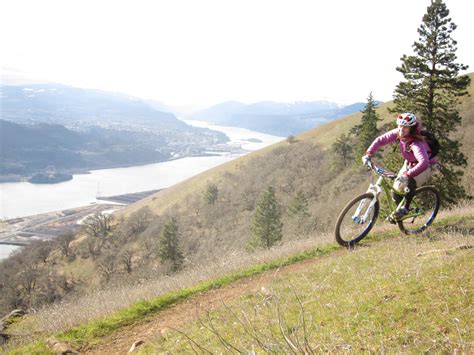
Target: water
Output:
[(240, 136), (6, 250), (22, 199)]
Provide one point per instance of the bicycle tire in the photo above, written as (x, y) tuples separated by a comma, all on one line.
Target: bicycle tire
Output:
[(404, 226), (341, 240)]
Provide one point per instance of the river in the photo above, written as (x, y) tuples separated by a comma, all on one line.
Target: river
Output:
[(22, 199)]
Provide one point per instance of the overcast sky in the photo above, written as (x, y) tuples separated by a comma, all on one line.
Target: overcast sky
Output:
[(199, 53)]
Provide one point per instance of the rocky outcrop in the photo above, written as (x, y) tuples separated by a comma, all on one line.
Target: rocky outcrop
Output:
[(135, 345), (6, 321), (60, 347)]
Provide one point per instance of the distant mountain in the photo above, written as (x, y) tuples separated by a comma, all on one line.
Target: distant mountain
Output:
[(69, 106), (220, 113), (60, 127), (281, 119), (159, 106), (26, 150)]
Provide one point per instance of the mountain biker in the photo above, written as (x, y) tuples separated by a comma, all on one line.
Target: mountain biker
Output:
[(418, 166)]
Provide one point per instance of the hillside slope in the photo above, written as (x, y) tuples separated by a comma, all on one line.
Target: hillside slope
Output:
[(70, 106), (392, 292), (323, 137), (402, 295), (209, 233), (46, 127)]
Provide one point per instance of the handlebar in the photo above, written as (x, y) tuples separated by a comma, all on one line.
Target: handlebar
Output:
[(378, 170)]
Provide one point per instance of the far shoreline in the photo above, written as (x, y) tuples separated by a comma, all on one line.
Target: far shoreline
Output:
[(10, 178)]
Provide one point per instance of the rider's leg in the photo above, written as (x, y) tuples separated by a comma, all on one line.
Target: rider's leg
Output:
[(424, 176), (413, 183), (409, 196), (397, 197)]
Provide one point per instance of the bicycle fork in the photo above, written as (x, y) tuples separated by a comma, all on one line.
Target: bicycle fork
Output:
[(374, 189)]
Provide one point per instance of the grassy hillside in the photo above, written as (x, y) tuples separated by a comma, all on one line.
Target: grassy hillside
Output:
[(312, 147), (403, 295), (392, 293), (211, 234)]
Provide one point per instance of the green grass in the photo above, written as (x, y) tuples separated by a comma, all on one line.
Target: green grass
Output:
[(92, 332), (389, 297)]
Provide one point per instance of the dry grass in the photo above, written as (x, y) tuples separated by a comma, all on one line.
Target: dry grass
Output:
[(100, 303), (336, 189), (403, 295), (324, 136), (96, 305)]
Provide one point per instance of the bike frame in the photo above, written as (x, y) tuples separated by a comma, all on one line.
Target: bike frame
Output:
[(383, 184)]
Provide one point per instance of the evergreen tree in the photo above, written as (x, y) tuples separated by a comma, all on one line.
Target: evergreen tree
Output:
[(298, 211), (343, 147), (291, 139), (267, 227), (169, 250), (367, 130), (211, 194), (431, 90)]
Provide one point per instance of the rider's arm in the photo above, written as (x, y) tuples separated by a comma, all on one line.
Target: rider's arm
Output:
[(384, 139), (422, 158)]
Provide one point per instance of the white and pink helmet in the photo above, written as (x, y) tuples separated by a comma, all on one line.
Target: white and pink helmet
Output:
[(406, 119)]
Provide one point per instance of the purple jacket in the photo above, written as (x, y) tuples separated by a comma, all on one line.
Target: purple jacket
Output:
[(416, 152)]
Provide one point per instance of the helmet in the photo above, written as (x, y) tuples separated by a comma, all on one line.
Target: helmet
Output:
[(406, 119)]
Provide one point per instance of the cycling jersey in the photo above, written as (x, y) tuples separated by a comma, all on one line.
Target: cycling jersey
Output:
[(415, 152)]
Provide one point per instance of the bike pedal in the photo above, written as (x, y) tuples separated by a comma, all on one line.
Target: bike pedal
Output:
[(391, 220)]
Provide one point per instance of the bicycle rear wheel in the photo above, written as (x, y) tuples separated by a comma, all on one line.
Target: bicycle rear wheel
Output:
[(424, 208), (356, 219)]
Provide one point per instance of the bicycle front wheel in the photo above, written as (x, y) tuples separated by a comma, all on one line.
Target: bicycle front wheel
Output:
[(356, 219), (423, 210)]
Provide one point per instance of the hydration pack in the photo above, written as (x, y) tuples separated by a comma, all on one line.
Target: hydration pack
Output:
[(432, 142)]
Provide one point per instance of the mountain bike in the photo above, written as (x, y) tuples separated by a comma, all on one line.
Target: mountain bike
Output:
[(359, 216)]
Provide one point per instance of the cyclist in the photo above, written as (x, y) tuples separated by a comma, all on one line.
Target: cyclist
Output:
[(418, 166)]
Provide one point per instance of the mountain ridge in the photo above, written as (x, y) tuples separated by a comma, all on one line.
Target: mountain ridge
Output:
[(104, 129), (67, 105), (282, 119)]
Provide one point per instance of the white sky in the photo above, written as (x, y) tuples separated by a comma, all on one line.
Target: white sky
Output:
[(199, 53)]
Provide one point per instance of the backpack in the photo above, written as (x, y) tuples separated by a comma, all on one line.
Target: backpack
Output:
[(432, 142)]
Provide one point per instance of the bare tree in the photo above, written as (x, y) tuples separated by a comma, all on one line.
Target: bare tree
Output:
[(98, 225), (63, 242), (126, 258), (27, 279), (98, 228), (107, 267), (39, 250), (140, 220)]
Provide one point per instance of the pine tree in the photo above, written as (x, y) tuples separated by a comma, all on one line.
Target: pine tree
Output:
[(367, 130), (211, 194), (431, 90), (169, 250), (298, 211), (343, 147), (267, 227)]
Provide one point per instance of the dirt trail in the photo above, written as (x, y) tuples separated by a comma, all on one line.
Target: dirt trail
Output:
[(189, 310)]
